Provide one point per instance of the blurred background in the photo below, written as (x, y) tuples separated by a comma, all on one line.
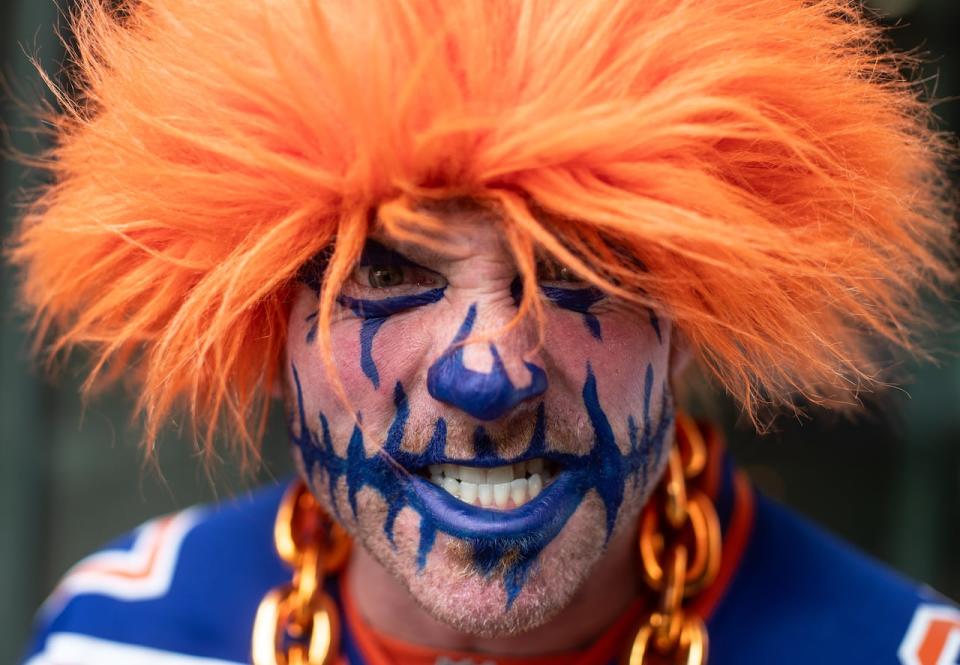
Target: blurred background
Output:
[(73, 477)]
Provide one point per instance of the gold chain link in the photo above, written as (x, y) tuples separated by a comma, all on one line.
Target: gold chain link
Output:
[(680, 545), (298, 623)]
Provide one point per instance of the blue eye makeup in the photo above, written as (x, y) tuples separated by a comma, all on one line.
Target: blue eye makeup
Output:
[(567, 291), (384, 283)]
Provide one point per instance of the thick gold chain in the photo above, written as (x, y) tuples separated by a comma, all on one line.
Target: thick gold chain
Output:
[(679, 555), (298, 623)]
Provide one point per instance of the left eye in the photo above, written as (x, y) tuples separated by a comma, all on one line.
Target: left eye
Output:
[(552, 271)]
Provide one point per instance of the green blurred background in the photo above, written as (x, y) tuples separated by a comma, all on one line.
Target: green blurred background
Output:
[(71, 477)]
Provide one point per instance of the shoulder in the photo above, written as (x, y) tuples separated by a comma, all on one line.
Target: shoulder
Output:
[(802, 596), (181, 589)]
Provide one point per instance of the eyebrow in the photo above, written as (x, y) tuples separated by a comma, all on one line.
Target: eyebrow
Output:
[(375, 252)]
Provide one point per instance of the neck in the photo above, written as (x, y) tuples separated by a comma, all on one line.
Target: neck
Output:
[(390, 609)]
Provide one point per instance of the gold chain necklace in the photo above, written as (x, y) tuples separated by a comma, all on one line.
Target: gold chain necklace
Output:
[(679, 545)]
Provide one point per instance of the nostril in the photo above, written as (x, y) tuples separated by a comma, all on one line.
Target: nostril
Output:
[(483, 395)]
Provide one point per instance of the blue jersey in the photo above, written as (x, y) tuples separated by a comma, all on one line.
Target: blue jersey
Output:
[(183, 590)]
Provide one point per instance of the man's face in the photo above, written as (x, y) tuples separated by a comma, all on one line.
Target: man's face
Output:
[(487, 474)]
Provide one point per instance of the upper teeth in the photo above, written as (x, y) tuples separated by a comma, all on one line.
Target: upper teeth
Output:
[(499, 485)]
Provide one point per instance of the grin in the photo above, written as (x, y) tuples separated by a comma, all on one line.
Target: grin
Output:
[(502, 487)]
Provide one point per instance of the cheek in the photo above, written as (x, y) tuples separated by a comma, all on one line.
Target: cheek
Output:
[(630, 344), (397, 351)]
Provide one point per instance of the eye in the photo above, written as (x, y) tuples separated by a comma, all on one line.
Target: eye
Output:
[(382, 277), (394, 277), (553, 271)]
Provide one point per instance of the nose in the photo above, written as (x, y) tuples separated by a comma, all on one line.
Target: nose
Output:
[(483, 395)]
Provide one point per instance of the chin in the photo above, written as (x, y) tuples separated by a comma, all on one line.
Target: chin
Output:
[(452, 589)]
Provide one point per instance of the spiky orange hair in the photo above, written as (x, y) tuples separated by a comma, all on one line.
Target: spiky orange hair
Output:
[(759, 170)]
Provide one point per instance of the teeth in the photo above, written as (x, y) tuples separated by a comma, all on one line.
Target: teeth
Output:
[(468, 492), (509, 485), (452, 486), (534, 485), (485, 494), (472, 474), (518, 491), (500, 474), (501, 494)]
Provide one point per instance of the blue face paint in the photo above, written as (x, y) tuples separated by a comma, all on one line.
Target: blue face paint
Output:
[(374, 312), (511, 539), (312, 330), (577, 300), (655, 324), (484, 395)]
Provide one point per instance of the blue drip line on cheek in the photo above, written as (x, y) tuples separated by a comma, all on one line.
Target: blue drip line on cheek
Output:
[(374, 313)]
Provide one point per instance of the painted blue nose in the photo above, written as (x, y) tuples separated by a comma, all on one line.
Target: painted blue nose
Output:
[(484, 395)]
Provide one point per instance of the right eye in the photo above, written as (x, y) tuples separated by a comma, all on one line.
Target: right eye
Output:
[(386, 276), (381, 277)]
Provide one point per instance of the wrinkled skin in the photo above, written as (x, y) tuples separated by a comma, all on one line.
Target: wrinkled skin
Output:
[(594, 399)]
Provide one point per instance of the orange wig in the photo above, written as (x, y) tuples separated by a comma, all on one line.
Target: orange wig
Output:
[(759, 171)]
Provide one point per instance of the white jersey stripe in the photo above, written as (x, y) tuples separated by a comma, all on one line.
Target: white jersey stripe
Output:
[(143, 572), (75, 649)]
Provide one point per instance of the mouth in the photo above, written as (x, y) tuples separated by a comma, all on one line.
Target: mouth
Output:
[(511, 500), (504, 487)]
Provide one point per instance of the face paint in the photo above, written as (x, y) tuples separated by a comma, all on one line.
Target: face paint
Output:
[(655, 324), (489, 480), (374, 314), (484, 395), (375, 311), (578, 300), (516, 537)]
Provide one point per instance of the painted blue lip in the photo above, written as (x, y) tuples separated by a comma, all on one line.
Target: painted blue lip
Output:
[(451, 515)]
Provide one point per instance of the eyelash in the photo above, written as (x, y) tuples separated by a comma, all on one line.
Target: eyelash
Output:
[(549, 271), (408, 276)]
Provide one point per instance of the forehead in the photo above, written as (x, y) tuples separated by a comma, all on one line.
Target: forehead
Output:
[(467, 227)]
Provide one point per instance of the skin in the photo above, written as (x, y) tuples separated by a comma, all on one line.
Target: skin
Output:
[(594, 399)]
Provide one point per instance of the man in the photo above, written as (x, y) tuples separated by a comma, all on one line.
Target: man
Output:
[(474, 245)]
